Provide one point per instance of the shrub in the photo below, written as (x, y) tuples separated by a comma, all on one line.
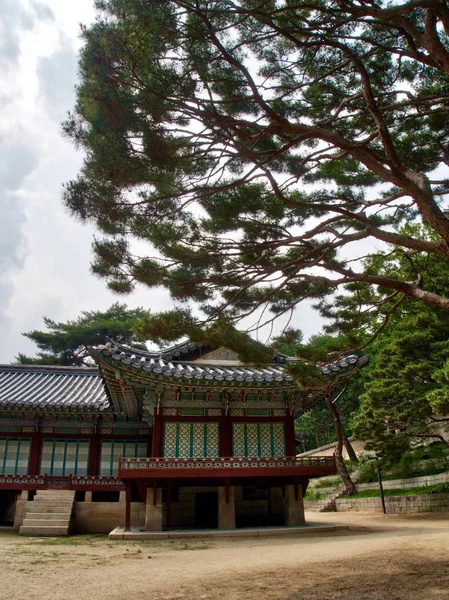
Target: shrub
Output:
[(367, 472), (314, 495), (440, 488), (327, 483)]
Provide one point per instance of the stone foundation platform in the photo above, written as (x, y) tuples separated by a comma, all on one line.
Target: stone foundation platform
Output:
[(137, 534)]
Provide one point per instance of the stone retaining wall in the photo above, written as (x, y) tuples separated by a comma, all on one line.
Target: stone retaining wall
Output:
[(396, 504), (253, 507), (103, 517), (404, 484)]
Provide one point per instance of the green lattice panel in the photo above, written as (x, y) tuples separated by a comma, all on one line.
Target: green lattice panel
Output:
[(264, 431), (258, 439), (184, 439), (238, 439), (252, 439), (14, 455), (278, 439), (191, 440), (212, 439), (170, 439), (198, 439), (112, 449)]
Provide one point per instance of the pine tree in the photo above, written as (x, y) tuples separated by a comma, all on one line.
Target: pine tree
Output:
[(67, 343), (205, 122)]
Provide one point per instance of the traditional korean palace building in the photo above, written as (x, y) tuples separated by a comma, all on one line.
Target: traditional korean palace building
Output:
[(187, 437)]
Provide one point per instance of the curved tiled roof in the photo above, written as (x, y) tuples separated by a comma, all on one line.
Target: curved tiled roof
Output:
[(345, 364), (161, 363), (183, 350), (29, 387), (155, 362)]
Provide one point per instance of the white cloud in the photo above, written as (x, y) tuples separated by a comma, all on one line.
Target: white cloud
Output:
[(44, 254), (57, 75)]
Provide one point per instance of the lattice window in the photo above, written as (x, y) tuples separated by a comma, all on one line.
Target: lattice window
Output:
[(258, 439), (65, 457), (191, 440), (112, 449), (14, 455)]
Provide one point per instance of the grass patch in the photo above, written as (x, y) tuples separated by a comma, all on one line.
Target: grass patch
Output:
[(326, 483), (310, 495), (416, 491)]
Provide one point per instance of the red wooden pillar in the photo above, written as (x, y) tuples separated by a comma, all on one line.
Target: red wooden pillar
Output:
[(94, 455), (290, 442), (35, 453), (225, 433), (128, 505), (156, 446)]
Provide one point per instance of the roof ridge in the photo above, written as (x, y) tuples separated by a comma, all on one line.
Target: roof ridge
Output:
[(93, 370), (163, 353)]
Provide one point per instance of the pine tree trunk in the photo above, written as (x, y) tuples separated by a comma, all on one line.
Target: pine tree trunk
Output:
[(340, 463), (342, 470), (349, 449)]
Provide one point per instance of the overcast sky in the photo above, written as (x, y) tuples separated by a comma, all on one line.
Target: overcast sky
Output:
[(44, 253)]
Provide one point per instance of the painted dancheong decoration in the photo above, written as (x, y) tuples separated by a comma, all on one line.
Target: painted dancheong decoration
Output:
[(186, 437)]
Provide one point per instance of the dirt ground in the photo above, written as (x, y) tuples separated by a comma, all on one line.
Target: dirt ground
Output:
[(380, 558)]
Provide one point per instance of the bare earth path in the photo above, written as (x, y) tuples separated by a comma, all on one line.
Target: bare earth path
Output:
[(380, 558)]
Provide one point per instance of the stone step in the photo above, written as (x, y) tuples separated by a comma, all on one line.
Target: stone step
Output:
[(49, 514), (60, 501), (53, 508), (64, 497), (58, 490), (54, 515), (43, 530), (46, 522)]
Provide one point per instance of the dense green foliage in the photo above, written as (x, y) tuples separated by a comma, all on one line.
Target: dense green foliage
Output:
[(204, 122), (67, 343), (405, 394), (422, 460), (317, 427)]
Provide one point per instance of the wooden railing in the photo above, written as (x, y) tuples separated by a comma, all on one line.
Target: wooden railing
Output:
[(263, 462), (70, 482)]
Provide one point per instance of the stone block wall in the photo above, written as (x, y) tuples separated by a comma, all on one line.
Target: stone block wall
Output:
[(404, 484), (249, 512), (183, 511), (396, 504), (21, 509), (103, 517)]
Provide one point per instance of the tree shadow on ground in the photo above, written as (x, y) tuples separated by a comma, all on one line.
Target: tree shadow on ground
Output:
[(375, 577)]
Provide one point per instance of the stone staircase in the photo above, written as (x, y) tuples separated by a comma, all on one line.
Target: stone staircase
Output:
[(328, 503), (50, 514)]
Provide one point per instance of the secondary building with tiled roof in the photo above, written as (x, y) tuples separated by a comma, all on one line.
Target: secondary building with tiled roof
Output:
[(48, 388)]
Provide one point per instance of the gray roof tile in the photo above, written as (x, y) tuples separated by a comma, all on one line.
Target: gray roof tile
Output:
[(162, 363), (47, 388), (156, 362)]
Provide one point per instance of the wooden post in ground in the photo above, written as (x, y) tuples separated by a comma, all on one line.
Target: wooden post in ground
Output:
[(128, 505)]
